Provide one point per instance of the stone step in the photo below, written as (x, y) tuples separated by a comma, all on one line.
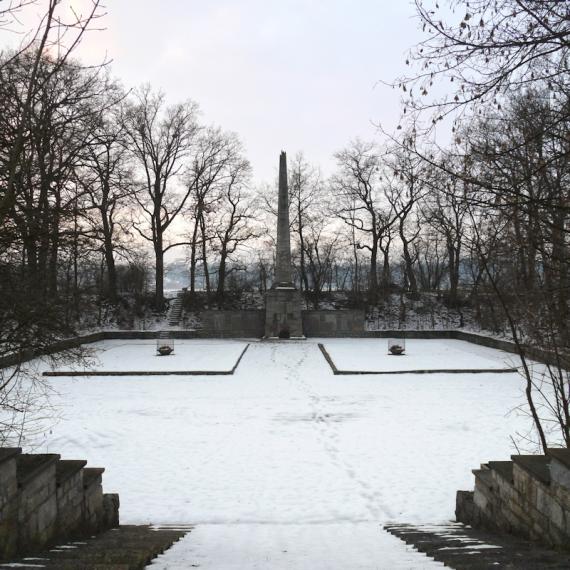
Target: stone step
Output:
[(175, 310), (67, 468), (124, 548), (92, 475), (537, 466), (465, 548), (30, 466), (503, 468), (484, 475)]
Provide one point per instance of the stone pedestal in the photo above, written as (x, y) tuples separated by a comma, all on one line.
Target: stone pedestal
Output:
[(283, 313)]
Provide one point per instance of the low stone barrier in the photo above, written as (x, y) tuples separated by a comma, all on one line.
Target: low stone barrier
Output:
[(44, 499), (221, 330), (528, 496)]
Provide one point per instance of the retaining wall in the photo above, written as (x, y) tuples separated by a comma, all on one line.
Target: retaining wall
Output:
[(231, 324), (333, 323)]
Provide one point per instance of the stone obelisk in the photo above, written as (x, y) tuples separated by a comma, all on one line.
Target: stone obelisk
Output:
[(283, 302)]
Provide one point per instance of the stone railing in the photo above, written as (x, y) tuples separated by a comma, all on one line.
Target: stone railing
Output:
[(45, 500), (528, 496)]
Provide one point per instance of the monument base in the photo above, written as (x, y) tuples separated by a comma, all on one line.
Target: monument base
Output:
[(283, 313)]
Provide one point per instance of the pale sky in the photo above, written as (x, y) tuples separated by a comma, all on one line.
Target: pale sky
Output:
[(290, 75)]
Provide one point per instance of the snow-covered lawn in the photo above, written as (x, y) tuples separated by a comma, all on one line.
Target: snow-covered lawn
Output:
[(283, 464), (421, 354), (140, 355)]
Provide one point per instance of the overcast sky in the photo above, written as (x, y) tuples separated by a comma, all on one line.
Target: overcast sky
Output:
[(290, 75)]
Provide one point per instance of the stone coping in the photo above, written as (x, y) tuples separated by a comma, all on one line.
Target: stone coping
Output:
[(92, 475), (536, 465), (560, 454), (67, 468), (503, 468), (7, 453), (103, 373), (31, 465)]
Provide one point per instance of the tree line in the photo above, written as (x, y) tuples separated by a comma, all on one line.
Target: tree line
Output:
[(106, 177)]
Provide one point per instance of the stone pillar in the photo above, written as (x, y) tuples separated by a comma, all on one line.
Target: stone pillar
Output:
[(283, 302), (283, 256)]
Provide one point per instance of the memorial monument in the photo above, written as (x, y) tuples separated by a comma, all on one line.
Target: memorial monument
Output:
[(283, 301)]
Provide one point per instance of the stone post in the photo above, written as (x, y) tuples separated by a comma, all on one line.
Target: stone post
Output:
[(283, 256), (283, 302)]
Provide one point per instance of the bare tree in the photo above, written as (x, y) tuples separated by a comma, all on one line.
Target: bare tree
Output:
[(322, 249), (492, 47), (159, 137), (234, 219), (445, 210), (208, 175), (108, 181), (408, 183), (305, 191), (362, 202), (54, 25), (527, 262)]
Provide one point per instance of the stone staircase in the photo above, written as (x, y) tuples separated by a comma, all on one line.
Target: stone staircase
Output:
[(45, 500), (175, 311), (528, 496), (122, 548), (518, 516), (463, 547)]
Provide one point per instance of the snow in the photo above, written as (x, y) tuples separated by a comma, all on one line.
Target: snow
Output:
[(421, 354), (140, 355), (283, 464)]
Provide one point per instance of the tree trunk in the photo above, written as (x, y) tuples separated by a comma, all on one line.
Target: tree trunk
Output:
[(222, 272), (111, 269), (205, 254), (373, 277), (193, 257), (453, 254), (159, 271), (409, 266)]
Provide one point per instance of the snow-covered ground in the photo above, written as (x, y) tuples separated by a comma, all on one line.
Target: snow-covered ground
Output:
[(284, 465), (141, 355), (421, 354)]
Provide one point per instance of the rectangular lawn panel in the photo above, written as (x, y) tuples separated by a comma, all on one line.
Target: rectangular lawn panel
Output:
[(119, 357), (371, 355)]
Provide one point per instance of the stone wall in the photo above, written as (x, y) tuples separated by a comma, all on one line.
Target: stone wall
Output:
[(333, 323), (528, 496), (44, 500), (231, 324)]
